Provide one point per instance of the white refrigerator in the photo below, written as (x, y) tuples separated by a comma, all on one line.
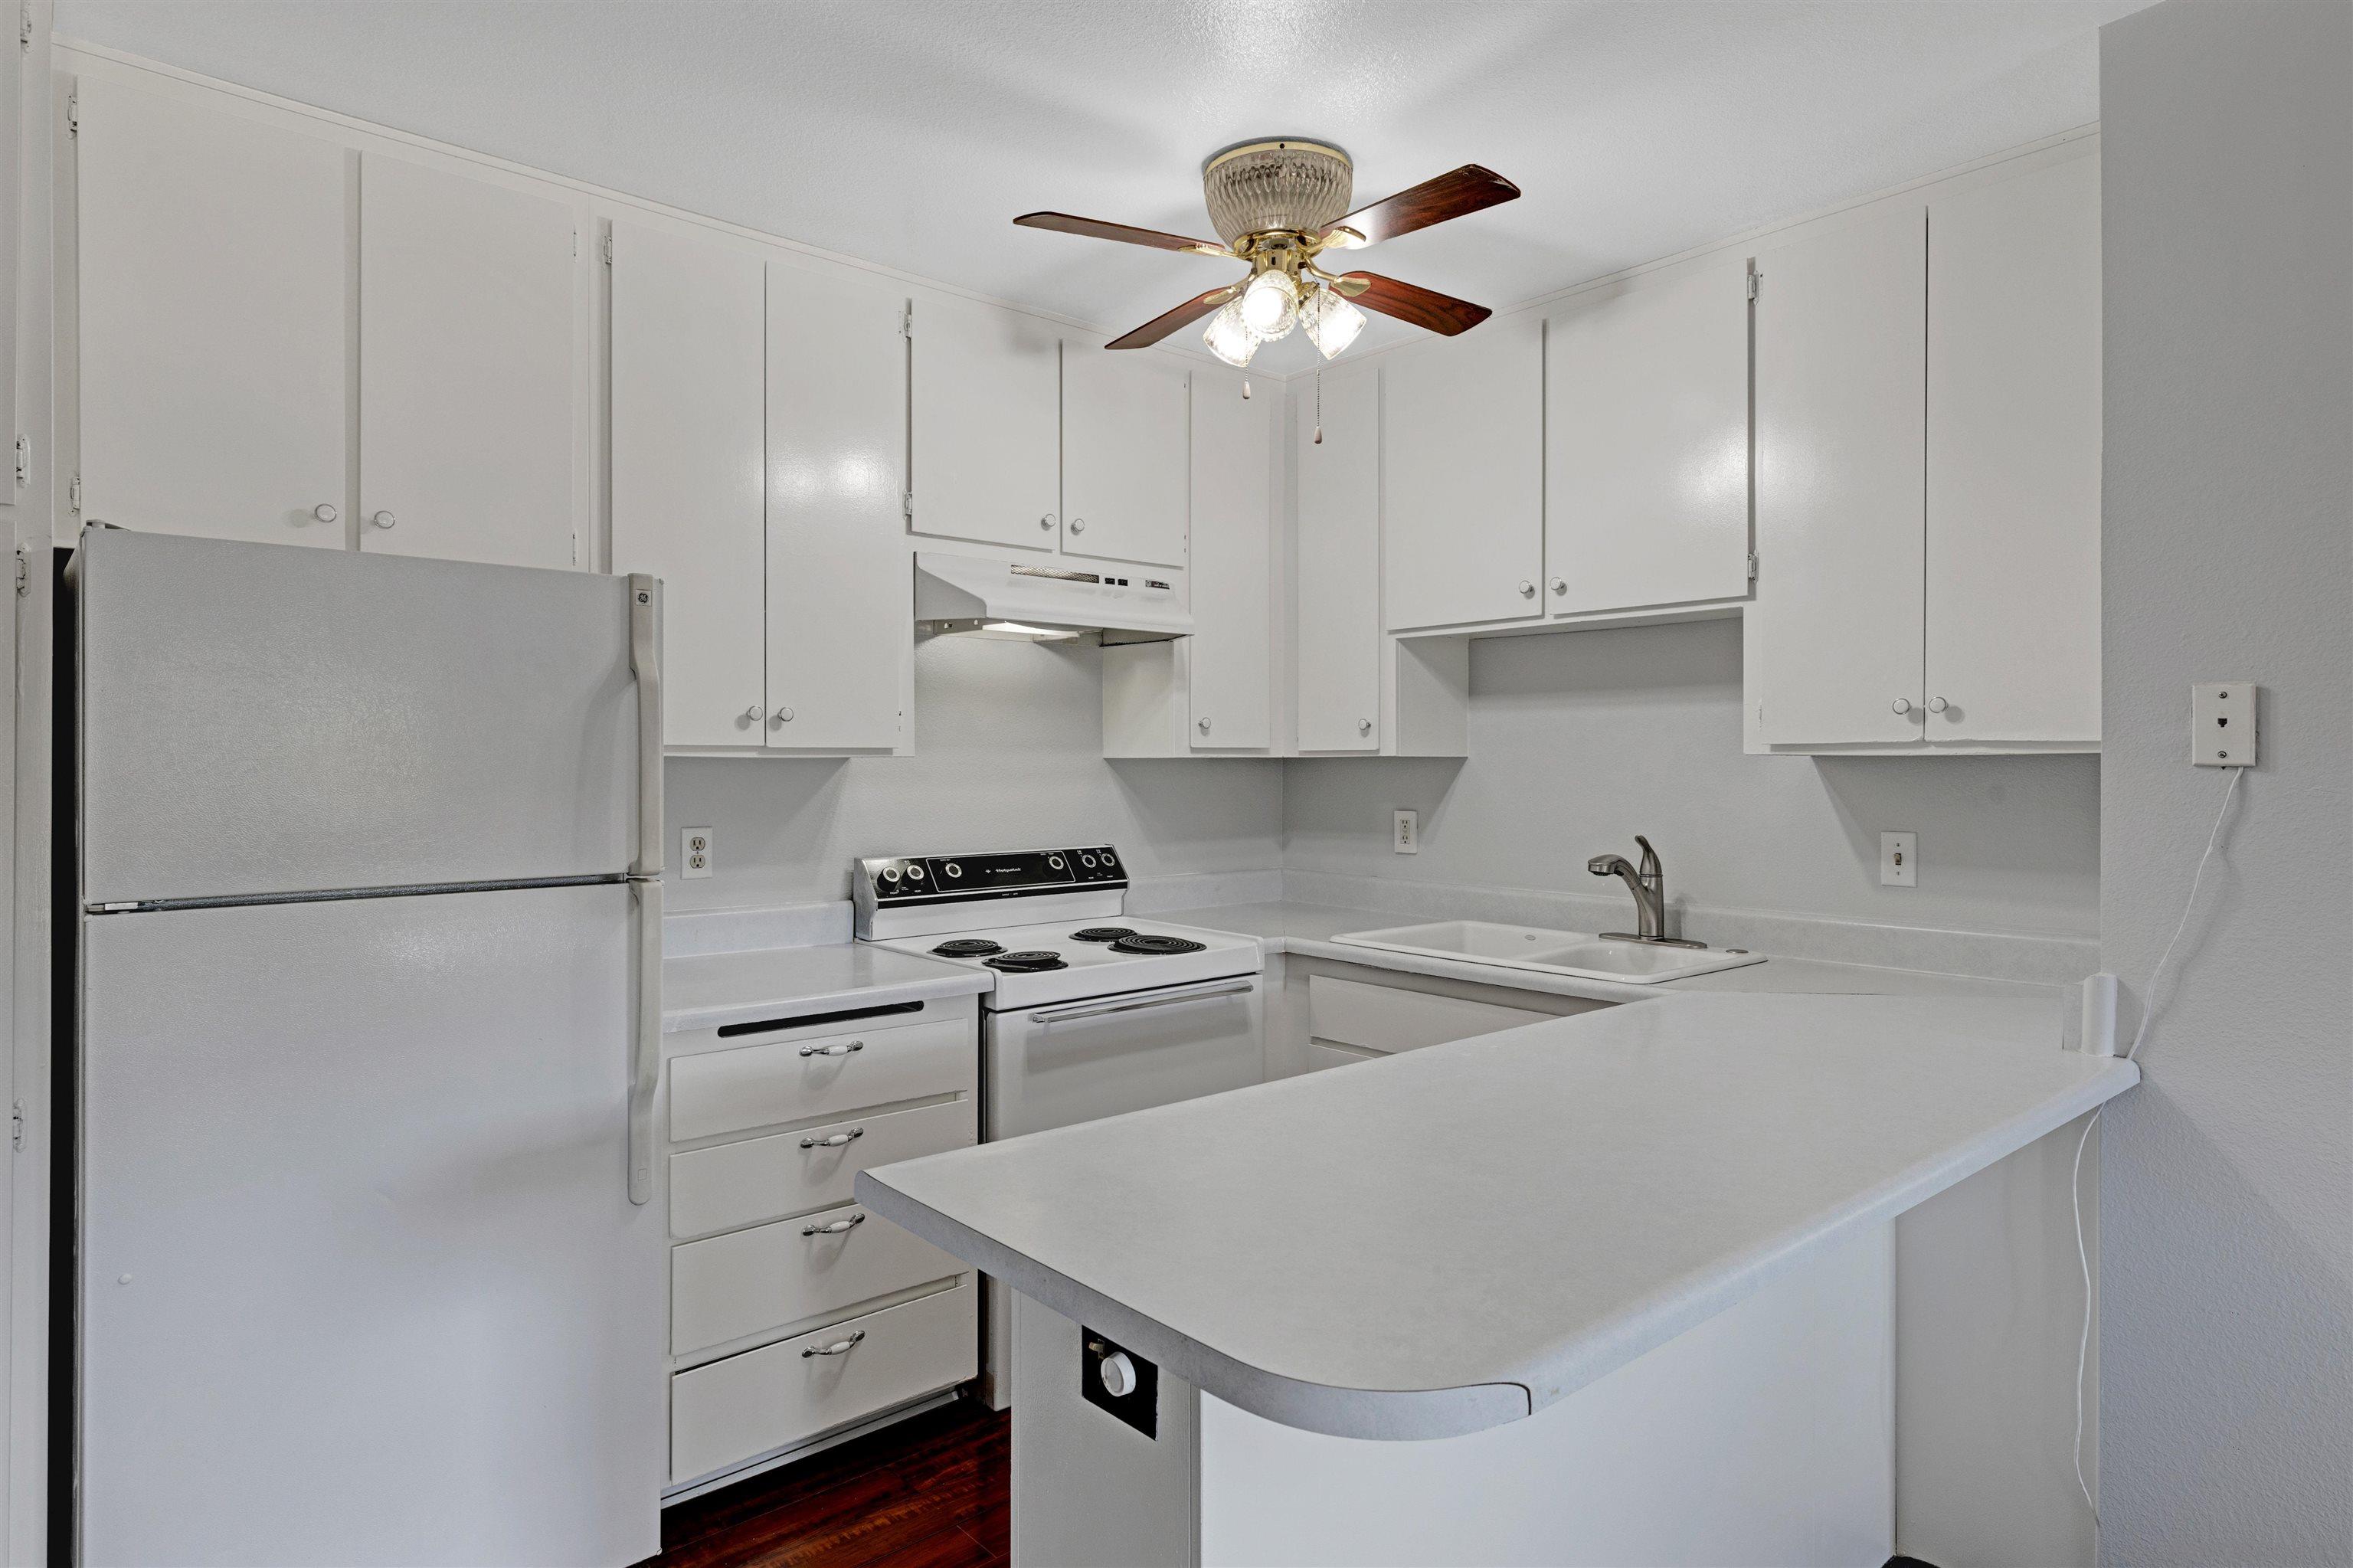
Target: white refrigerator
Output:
[(369, 1027)]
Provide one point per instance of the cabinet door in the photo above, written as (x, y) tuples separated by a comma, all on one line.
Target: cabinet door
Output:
[(1232, 568), (1841, 382), (1124, 455), (466, 369), (1646, 431), (688, 423), (2014, 459), (840, 597), (986, 449), (213, 275), (1462, 509), (1337, 593)]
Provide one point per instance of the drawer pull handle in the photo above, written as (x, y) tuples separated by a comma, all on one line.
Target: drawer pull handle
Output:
[(839, 1348), (839, 1227), (837, 1140), (833, 1050)]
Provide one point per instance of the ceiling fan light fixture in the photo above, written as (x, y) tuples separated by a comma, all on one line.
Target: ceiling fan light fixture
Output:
[(1269, 305), (1332, 323), (1229, 338)]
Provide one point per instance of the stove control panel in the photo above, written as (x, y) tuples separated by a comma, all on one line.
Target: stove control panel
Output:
[(900, 880)]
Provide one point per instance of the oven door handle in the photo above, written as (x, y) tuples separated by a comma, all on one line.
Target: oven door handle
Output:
[(1158, 998)]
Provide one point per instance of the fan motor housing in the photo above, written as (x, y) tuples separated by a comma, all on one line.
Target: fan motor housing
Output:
[(1276, 182)]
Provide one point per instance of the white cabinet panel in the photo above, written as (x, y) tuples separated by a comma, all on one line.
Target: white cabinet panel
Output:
[(2013, 578), (770, 1276), (1232, 648), (986, 442), (840, 596), (1124, 455), (467, 373), (688, 333), (1336, 597), (1841, 373), (1462, 503), (213, 272), (1646, 424)]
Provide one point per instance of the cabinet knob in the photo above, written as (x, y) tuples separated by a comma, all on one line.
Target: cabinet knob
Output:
[(1561, 585), (1047, 522), (1363, 727), (1527, 588), (383, 519), (1901, 705), (324, 513), (784, 715), (1935, 705), (752, 713), (1202, 725), (1078, 525)]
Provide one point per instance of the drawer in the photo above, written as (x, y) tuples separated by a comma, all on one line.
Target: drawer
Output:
[(1390, 1017), (746, 1281), (752, 1405), (826, 1077), (1322, 1054), (732, 1184)]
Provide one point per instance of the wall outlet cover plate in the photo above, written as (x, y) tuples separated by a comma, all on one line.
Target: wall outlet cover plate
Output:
[(1405, 832), (1899, 860), (693, 853), (2223, 723)]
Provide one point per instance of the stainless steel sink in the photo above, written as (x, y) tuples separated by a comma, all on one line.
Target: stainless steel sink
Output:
[(1546, 951)]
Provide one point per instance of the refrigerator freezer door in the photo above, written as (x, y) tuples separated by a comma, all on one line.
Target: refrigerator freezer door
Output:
[(360, 1277), (259, 719)]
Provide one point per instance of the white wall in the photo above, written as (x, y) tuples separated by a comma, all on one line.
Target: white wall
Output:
[(1008, 755), (2226, 1196), (1580, 740)]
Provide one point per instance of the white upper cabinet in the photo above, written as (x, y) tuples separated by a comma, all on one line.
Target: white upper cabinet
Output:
[(2013, 569), (212, 268), (1232, 649), (986, 446), (1646, 424), (1124, 455), (1336, 598), (840, 592), (1840, 375), (467, 368), (1463, 441), (689, 425)]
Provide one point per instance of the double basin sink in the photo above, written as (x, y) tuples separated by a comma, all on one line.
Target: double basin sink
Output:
[(1551, 952)]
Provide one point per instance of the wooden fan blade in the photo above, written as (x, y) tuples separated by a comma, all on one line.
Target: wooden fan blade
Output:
[(1442, 313), (1466, 190), (1096, 229), (1192, 310)]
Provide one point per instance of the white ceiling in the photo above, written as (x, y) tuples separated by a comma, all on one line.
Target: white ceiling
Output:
[(909, 131)]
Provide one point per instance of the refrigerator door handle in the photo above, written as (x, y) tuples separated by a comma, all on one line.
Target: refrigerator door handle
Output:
[(645, 1040), (645, 661)]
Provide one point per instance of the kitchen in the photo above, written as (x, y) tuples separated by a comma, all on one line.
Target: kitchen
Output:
[(1347, 893)]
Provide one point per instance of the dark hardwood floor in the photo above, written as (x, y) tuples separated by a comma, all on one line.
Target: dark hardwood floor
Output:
[(932, 1492)]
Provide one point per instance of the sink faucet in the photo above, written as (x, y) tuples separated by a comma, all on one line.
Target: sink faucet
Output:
[(1649, 885)]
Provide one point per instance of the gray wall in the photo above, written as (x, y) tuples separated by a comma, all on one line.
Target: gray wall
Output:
[(1579, 741), (1008, 754), (2226, 1209)]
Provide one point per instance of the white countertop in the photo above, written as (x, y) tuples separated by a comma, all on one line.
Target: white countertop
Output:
[(1447, 1239), (715, 989)]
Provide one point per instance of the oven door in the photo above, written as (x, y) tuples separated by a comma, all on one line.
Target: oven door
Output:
[(1074, 1061)]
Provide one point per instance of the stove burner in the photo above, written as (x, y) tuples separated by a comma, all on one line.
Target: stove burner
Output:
[(1148, 943), (1028, 961), (968, 948), (1102, 933)]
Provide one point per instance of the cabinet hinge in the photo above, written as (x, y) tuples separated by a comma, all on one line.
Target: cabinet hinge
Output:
[(907, 505), (16, 1125), (25, 26), (23, 459), (1752, 565), (907, 321), (23, 573), (1754, 279), (73, 494), (73, 113), (609, 249)]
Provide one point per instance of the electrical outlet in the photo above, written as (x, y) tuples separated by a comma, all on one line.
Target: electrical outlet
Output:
[(1899, 860), (1405, 832), (693, 853), (2222, 725)]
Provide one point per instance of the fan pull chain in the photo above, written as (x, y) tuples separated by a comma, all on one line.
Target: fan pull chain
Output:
[(1245, 388), (1319, 409)]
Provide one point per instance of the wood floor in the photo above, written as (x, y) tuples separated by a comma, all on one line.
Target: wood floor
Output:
[(932, 1492)]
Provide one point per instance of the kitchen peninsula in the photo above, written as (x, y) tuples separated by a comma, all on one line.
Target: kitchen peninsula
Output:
[(1610, 1288)]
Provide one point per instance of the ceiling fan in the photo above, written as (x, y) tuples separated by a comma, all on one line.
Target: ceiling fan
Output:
[(1278, 205)]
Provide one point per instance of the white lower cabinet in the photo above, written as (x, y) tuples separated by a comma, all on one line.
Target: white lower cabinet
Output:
[(1382, 1018), (794, 1311)]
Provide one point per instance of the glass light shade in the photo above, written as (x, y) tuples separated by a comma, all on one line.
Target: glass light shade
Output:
[(1332, 323), (1269, 305), (1229, 337)]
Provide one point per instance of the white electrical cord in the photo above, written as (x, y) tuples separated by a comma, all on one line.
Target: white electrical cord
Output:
[(2076, 1193)]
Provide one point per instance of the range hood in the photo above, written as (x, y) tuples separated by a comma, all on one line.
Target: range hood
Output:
[(968, 595)]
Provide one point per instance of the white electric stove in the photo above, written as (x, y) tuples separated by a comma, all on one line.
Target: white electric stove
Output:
[(1094, 1012)]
